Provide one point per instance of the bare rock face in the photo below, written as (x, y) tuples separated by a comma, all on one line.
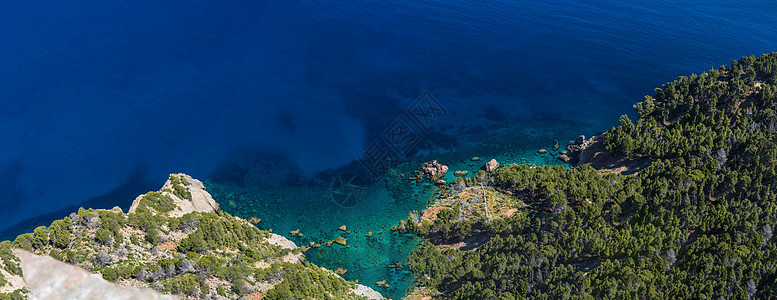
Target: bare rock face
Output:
[(368, 292), (281, 241), (201, 200), (491, 165), (50, 279), (434, 170)]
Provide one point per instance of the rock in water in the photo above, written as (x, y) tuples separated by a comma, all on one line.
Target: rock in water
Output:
[(579, 140), (434, 170), (50, 279), (491, 165), (563, 157)]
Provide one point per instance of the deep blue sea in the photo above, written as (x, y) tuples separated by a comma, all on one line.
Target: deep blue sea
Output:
[(100, 100)]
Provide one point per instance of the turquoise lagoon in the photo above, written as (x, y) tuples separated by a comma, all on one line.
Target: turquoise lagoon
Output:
[(310, 208)]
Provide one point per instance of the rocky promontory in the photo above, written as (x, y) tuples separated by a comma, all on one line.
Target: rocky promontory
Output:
[(593, 152), (172, 243)]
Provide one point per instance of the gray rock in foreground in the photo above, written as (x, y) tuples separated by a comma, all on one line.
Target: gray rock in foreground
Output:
[(50, 279)]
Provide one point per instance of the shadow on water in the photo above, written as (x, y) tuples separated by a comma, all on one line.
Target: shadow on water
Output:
[(258, 166), (121, 196), (9, 179)]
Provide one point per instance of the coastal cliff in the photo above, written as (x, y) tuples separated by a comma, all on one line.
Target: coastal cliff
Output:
[(174, 241), (679, 203)]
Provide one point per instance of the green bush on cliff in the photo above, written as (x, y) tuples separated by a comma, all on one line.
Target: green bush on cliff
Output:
[(112, 222), (157, 201), (59, 234), (40, 237), (15, 295), (110, 274), (179, 187), (187, 284), (23, 241), (192, 243), (10, 261), (219, 230), (307, 281), (103, 236)]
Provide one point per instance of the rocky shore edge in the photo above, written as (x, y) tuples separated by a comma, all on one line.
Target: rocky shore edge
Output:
[(44, 277)]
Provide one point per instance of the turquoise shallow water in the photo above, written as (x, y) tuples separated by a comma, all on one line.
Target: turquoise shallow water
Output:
[(95, 91), (103, 99), (308, 206), (310, 209)]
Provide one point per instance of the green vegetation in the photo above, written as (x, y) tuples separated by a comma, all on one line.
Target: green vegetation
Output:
[(176, 255), (157, 201), (20, 294), (180, 188), (697, 223), (306, 281)]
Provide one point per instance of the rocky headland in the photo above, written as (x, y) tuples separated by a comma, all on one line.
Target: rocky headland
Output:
[(173, 243)]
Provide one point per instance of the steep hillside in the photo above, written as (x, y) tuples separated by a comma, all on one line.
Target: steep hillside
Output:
[(176, 242), (695, 221)]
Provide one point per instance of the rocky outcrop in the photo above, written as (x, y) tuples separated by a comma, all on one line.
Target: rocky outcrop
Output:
[(594, 153), (580, 139), (281, 241), (199, 201), (491, 165), (434, 170), (363, 290), (50, 279), (47, 278)]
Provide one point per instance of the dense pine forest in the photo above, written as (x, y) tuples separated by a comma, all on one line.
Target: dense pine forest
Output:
[(696, 224)]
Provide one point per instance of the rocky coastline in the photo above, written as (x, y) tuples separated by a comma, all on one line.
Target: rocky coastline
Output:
[(102, 259)]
